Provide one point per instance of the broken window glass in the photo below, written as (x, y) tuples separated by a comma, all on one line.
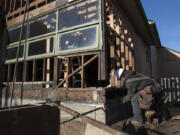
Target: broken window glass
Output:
[(41, 47), (78, 39), (14, 33), (78, 14), (12, 52), (43, 25)]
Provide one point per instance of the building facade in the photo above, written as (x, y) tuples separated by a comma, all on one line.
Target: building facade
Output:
[(70, 49)]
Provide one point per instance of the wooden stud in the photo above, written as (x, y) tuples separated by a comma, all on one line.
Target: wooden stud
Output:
[(112, 57), (34, 76), (99, 66), (102, 62), (23, 8), (21, 5), (48, 62), (112, 50), (5, 5), (126, 57), (133, 63), (130, 60), (25, 71), (9, 72), (14, 7), (123, 54), (56, 70), (118, 45), (44, 69), (10, 8), (82, 73), (17, 73), (66, 84)]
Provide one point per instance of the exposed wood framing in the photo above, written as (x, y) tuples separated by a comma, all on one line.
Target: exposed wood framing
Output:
[(14, 5), (9, 72), (48, 61), (12, 20), (126, 57), (112, 50), (5, 5), (75, 71), (17, 73), (112, 57), (34, 77), (123, 54), (25, 71), (121, 50), (82, 73), (44, 69), (102, 68), (10, 6), (66, 83), (56, 70)]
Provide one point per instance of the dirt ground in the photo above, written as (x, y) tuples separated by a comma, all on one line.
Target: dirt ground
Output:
[(74, 127), (171, 127)]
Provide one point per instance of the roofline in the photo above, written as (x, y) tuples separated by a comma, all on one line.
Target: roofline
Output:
[(148, 35), (143, 14)]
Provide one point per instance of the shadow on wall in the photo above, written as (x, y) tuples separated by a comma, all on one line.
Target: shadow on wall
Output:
[(169, 63)]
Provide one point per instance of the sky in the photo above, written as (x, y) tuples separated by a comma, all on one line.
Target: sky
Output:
[(166, 14)]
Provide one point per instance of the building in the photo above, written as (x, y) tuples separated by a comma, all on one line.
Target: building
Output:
[(70, 49)]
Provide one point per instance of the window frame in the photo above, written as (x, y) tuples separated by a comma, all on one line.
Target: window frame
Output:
[(19, 58), (82, 49), (80, 25), (56, 33), (44, 55)]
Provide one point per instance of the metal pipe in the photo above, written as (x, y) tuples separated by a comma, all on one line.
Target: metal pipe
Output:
[(18, 52)]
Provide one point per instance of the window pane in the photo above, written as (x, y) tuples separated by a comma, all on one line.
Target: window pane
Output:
[(14, 34), (41, 47), (78, 39), (78, 14), (43, 25), (11, 52)]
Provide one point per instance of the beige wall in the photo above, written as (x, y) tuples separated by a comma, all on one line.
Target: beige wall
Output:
[(142, 56), (154, 61), (168, 63), (141, 49)]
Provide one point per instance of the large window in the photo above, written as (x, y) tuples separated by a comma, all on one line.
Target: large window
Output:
[(74, 27), (78, 14), (44, 46), (78, 39), (37, 27), (14, 33), (12, 52), (43, 25)]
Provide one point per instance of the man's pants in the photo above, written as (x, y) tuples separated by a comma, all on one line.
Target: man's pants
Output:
[(137, 112)]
